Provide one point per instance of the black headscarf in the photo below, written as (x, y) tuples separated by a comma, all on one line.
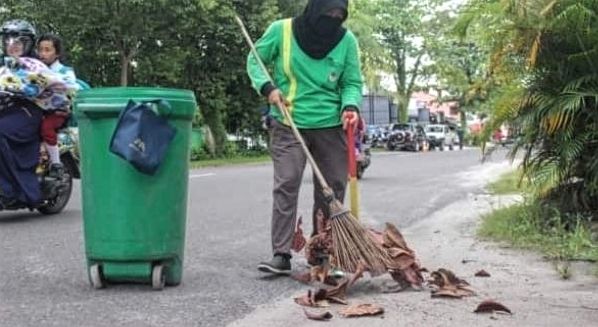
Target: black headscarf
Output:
[(316, 33)]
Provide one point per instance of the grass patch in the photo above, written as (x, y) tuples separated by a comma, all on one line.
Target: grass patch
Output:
[(508, 183), (236, 160), (531, 226)]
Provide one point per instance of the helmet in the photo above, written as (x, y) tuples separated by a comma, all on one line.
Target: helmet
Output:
[(18, 30)]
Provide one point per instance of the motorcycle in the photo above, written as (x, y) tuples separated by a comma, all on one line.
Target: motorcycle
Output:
[(364, 159), (68, 143), (56, 190), (55, 185)]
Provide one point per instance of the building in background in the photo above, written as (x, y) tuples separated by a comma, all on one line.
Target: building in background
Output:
[(425, 107), (378, 110)]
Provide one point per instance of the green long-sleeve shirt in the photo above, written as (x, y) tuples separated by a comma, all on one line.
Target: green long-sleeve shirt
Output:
[(318, 90)]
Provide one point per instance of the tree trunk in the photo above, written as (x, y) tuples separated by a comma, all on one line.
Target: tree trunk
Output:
[(213, 119), (124, 70), (403, 108), (405, 87)]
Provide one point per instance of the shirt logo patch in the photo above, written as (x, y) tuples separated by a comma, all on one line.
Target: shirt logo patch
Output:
[(333, 77)]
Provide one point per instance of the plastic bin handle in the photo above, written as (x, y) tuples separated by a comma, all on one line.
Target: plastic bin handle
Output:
[(160, 107), (94, 109)]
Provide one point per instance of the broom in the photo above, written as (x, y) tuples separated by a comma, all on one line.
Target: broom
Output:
[(353, 248)]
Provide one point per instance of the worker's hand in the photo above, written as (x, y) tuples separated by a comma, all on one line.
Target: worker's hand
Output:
[(276, 98), (351, 118)]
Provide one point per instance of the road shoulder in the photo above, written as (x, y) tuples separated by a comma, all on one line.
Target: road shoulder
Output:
[(523, 281)]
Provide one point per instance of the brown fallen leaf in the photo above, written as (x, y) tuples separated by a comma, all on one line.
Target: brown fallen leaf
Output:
[(313, 299), (318, 248), (362, 310), (376, 236), (396, 252), (482, 273), (402, 264), (490, 306), (449, 285), (414, 278), (298, 239), (325, 316), (340, 289), (320, 272), (316, 273), (304, 300), (330, 281), (320, 295), (322, 223), (394, 238), (304, 278), (444, 277), (319, 245), (338, 294)]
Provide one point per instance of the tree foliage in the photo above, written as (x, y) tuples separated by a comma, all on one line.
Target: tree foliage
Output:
[(192, 44), (405, 28), (544, 54)]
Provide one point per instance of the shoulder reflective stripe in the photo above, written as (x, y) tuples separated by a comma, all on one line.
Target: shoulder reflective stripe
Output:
[(286, 54)]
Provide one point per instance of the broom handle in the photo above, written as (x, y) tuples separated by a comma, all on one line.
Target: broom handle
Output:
[(285, 112), (351, 151)]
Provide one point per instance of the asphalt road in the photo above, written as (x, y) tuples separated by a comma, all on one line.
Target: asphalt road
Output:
[(43, 278)]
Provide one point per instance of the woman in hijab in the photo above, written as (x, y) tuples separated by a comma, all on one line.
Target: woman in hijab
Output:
[(317, 74), (27, 88)]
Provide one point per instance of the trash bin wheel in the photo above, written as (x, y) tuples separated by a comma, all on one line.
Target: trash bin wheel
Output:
[(158, 277), (95, 276)]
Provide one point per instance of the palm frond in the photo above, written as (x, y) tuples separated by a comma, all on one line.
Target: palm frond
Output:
[(575, 15)]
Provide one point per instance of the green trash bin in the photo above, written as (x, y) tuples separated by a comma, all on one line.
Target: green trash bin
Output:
[(134, 224)]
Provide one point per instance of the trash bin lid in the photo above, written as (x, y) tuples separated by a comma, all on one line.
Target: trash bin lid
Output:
[(109, 101)]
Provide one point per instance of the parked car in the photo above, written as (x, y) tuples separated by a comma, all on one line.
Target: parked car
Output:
[(406, 136), (376, 135), (441, 136)]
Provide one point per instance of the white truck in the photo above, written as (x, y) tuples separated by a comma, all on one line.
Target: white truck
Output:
[(440, 136)]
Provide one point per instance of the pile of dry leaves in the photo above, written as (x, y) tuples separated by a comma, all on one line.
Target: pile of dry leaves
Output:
[(403, 267)]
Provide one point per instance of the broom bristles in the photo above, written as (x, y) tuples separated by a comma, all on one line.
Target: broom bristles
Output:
[(352, 245)]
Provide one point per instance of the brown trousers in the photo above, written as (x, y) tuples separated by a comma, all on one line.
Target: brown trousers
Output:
[(329, 149)]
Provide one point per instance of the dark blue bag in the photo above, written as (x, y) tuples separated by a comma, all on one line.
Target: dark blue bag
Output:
[(142, 135)]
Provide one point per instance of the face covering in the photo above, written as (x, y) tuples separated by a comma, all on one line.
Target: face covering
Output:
[(327, 26), (316, 33)]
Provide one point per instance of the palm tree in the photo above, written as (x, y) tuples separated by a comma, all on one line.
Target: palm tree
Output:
[(545, 59)]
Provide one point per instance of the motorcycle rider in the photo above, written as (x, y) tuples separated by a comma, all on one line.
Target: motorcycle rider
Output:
[(362, 152), (27, 87), (359, 136), (50, 51), (20, 121)]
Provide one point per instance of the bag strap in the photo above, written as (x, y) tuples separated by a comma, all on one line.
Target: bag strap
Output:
[(160, 106)]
